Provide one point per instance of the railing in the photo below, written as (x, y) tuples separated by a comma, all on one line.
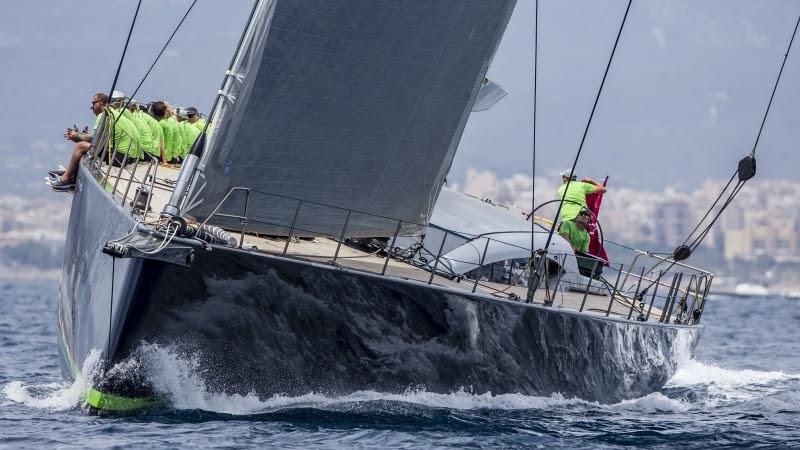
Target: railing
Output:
[(637, 291), (102, 163)]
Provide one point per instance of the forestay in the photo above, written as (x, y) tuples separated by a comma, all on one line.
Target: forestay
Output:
[(358, 104)]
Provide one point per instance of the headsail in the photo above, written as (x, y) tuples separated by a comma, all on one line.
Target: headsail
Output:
[(359, 104)]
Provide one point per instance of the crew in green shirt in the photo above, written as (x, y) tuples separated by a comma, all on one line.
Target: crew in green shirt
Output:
[(125, 139), (177, 137), (188, 133), (169, 129), (145, 135), (65, 181), (194, 118), (156, 134), (575, 196), (576, 231)]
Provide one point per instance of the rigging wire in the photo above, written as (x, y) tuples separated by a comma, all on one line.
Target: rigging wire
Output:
[(529, 294), (125, 49), (155, 61), (116, 75), (585, 133), (745, 170), (775, 88), (533, 159)]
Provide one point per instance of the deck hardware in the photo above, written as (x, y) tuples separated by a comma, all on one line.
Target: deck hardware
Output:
[(341, 235), (438, 255), (668, 310), (130, 180), (588, 285), (672, 287), (483, 258), (642, 317), (291, 228), (391, 247), (123, 165), (614, 291), (636, 294), (559, 274), (244, 216)]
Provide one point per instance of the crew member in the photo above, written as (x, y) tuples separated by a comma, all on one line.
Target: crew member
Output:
[(177, 136), (194, 118), (125, 141), (145, 135), (575, 197), (156, 145), (189, 131), (576, 231), (119, 141), (169, 128)]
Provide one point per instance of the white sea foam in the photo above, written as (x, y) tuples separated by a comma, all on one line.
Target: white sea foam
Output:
[(655, 402), (177, 377), (695, 372), (54, 396), (730, 385)]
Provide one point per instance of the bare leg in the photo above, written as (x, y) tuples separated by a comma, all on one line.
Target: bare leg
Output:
[(77, 154)]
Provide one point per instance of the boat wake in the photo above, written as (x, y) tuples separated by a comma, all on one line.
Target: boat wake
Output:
[(722, 386), (696, 385), (54, 396)]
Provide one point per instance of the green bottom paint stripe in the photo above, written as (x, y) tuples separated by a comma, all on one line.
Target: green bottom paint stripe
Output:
[(109, 402)]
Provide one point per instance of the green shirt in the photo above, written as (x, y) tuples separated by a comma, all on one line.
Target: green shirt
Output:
[(579, 239), (96, 123), (166, 133), (200, 124), (172, 141), (177, 137), (575, 200), (145, 136), (189, 133), (126, 137), (156, 135)]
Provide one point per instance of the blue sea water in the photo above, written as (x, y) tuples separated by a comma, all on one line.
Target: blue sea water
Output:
[(742, 388)]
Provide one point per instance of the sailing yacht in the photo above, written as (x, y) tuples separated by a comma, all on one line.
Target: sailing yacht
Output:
[(307, 244)]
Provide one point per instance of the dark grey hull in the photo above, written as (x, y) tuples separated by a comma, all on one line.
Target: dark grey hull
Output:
[(265, 324)]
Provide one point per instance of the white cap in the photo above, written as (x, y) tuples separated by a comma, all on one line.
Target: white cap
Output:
[(117, 94), (565, 173)]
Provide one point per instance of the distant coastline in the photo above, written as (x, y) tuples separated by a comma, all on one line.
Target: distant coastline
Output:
[(28, 274)]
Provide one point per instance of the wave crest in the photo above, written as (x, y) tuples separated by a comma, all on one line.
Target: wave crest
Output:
[(55, 396)]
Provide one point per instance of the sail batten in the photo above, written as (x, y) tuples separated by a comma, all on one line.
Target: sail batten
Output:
[(357, 104)]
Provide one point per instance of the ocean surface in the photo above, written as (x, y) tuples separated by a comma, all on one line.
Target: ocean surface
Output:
[(742, 388)]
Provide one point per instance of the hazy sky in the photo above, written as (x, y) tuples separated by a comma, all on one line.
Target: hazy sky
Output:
[(682, 102)]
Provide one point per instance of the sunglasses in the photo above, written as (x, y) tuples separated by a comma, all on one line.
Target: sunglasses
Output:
[(190, 115)]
